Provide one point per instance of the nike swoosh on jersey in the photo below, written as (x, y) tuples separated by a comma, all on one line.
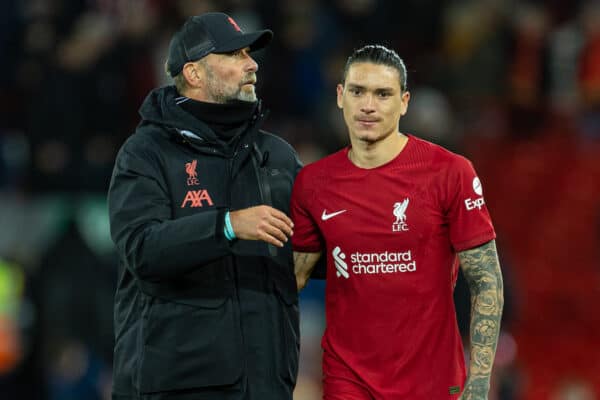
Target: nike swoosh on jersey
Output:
[(326, 216)]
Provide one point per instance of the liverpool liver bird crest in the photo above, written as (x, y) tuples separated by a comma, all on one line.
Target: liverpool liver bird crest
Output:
[(400, 211)]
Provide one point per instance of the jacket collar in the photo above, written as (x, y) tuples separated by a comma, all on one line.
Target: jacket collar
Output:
[(160, 108)]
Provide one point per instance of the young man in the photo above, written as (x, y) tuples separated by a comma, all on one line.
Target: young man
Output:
[(206, 304), (394, 214)]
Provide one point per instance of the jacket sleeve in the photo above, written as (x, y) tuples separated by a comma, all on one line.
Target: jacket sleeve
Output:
[(155, 246)]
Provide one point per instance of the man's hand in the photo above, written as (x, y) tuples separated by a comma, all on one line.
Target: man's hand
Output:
[(262, 223)]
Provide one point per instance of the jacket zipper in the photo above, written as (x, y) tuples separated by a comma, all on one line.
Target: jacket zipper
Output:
[(234, 267), (265, 194)]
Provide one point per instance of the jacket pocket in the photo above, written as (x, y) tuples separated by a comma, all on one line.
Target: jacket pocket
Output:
[(186, 347), (290, 332)]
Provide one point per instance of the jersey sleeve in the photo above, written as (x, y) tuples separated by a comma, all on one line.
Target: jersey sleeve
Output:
[(467, 215), (307, 237)]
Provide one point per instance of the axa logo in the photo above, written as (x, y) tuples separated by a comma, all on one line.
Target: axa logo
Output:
[(197, 198), (400, 213), (340, 265), (190, 169), (477, 203)]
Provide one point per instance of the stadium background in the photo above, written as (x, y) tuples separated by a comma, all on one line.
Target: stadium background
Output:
[(513, 85)]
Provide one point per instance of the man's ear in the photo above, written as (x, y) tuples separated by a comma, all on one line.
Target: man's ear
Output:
[(194, 74), (404, 105), (340, 95)]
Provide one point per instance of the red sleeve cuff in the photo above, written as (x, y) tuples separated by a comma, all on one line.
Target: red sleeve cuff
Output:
[(475, 241)]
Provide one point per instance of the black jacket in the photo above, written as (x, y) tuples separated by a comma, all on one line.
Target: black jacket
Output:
[(197, 316)]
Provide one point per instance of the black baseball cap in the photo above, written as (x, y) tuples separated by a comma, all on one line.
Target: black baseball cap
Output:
[(212, 32)]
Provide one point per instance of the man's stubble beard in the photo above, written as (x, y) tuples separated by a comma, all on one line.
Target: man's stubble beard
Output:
[(246, 95), (221, 94), (364, 138)]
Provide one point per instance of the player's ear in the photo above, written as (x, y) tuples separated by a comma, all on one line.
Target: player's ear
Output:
[(405, 100), (340, 95), (194, 74)]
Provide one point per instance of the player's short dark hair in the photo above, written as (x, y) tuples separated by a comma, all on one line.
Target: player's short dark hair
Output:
[(378, 54)]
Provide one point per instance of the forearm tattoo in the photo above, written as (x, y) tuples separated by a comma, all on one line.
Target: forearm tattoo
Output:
[(303, 266), (300, 260), (482, 272)]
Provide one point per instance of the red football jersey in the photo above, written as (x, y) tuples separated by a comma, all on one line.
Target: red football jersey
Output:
[(391, 236)]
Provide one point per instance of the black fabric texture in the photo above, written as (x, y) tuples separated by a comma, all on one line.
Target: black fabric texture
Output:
[(211, 33), (227, 120), (197, 316)]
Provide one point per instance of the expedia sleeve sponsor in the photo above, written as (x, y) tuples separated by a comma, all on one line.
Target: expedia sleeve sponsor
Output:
[(467, 215)]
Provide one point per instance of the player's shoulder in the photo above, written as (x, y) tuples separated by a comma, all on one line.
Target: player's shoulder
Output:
[(438, 155), (326, 166)]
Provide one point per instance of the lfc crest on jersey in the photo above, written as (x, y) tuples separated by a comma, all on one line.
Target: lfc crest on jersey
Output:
[(400, 225)]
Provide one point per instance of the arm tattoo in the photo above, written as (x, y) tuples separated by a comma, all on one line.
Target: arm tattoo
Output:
[(300, 258), (482, 272), (303, 266)]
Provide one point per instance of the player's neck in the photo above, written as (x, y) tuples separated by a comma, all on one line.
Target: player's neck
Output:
[(372, 155)]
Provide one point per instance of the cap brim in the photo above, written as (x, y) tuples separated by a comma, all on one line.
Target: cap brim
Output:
[(255, 41)]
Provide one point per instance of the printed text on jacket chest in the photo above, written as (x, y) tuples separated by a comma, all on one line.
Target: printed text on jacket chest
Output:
[(195, 197)]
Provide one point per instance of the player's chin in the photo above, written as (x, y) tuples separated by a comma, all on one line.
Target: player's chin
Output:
[(247, 93), (368, 131), (369, 136)]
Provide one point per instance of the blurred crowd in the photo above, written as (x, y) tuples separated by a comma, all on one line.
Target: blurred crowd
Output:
[(513, 85)]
